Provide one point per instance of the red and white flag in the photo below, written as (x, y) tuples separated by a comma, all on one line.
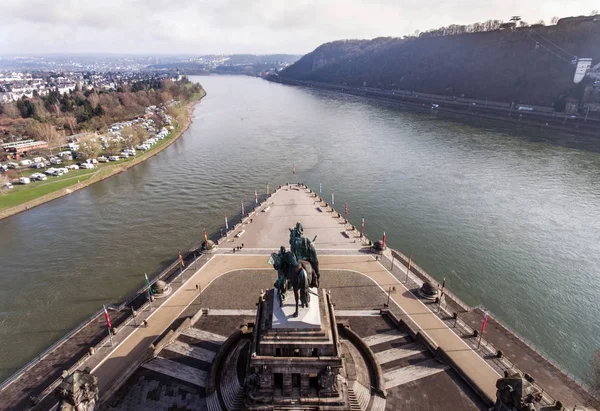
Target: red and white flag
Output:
[(107, 318), (226, 225), (205, 237), (485, 318), (384, 238), (346, 209), (332, 198), (362, 224)]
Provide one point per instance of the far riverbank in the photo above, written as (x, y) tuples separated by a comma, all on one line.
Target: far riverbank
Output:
[(108, 171), (536, 120)]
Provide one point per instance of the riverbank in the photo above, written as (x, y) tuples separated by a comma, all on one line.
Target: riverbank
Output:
[(576, 125), (104, 172)]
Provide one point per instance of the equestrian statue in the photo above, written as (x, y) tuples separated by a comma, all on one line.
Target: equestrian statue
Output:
[(293, 274), (304, 250)]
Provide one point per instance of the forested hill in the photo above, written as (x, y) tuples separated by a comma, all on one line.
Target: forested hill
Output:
[(528, 64)]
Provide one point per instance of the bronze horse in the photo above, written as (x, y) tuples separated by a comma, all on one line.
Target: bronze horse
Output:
[(292, 274)]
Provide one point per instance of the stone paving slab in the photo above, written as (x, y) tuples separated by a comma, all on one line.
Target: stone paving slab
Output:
[(198, 353), (384, 337), (203, 335), (177, 370), (415, 372), (397, 353)]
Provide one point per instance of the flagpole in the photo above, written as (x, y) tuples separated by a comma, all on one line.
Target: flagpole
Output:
[(149, 291), (409, 263), (110, 336), (485, 317)]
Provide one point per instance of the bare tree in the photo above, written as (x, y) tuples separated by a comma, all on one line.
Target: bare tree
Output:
[(3, 180), (90, 148), (554, 19), (47, 132), (594, 13), (139, 135), (71, 123), (113, 146)]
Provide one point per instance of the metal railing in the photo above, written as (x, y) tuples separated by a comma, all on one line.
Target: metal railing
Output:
[(19, 373)]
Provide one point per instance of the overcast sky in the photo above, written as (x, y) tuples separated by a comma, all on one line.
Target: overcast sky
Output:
[(241, 26)]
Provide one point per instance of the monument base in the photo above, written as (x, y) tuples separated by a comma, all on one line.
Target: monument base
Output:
[(308, 318)]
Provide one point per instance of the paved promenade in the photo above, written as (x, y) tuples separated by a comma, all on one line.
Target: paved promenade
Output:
[(341, 250), (268, 230)]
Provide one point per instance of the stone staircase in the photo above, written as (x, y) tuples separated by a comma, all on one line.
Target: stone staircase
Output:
[(354, 404), (230, 388)]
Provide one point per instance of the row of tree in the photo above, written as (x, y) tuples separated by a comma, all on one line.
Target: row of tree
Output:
[(488, 25)]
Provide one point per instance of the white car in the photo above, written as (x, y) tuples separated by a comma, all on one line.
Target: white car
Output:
[(13, 165), (50, 171), (65, 170), (103, 159), (58, 172), (87, 166), (24, 180), (124, 155), (38, 165), (113, 158), (38, 177), (8, 185), (73, 167), (55, 161)]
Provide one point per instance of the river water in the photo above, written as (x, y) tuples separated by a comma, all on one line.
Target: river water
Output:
[(511, 220)]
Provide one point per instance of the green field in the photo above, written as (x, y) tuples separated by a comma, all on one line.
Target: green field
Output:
[(20, 194)]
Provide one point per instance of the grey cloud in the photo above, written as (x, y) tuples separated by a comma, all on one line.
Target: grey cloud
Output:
[(227, 26)]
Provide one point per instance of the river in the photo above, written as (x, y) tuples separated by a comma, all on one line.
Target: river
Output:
[(511, 220)]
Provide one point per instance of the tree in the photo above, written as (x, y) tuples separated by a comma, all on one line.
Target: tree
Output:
[(71, 123), (113, 146), (90, 148), (47, 132), (140, 135), (554, 19), (3, 180), (594, 13)]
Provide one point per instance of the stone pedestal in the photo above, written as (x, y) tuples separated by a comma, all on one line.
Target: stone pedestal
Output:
[(301, 354)]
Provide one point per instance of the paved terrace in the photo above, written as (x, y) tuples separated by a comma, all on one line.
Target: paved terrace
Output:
[(265, 232), (341, 251)]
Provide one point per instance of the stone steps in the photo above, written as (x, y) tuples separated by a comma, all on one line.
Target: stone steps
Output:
[(381, 338), (397, 353), (353, 402), (176, 370), (363, 395), (202, 335), (378, 403), (212, 402), (231, 390), (403, 375)]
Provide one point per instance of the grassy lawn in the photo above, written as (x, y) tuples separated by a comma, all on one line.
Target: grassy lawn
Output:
[(20, 194)]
